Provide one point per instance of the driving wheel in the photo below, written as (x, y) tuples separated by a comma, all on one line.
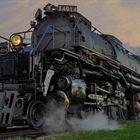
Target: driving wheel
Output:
[(36, 114)]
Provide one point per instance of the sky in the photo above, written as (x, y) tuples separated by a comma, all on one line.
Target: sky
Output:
[(120, 18)]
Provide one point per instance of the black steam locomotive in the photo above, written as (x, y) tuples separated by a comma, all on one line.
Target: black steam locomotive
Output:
[(70, 62)]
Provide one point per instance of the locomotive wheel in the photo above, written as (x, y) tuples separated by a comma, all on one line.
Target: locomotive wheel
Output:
[(114, 112), (36, 114), (123, 114), (118, 113)]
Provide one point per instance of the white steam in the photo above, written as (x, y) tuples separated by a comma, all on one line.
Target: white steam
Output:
[(56, 122), (98, 121)]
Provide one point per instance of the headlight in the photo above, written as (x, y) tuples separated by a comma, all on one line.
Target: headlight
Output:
[(16, 40)]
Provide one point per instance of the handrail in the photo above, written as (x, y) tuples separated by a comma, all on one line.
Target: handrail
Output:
[(4, 38), (40, 41), (23, 33), (53, 37), (79, 19)]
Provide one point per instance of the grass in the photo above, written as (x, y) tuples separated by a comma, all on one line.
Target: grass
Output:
[(126, 132)]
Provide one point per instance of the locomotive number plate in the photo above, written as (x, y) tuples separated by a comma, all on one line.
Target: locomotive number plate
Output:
[(67, 8)]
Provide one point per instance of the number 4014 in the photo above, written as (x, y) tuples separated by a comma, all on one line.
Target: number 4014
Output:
[(67, 8)]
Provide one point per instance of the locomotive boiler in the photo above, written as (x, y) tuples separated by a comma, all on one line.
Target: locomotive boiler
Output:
[(69, 62)]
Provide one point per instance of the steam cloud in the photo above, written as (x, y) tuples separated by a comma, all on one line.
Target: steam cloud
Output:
[(56, 122), (98, 121)]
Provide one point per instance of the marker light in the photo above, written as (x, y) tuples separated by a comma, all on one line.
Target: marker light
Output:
[(16, 40), (72, 16)]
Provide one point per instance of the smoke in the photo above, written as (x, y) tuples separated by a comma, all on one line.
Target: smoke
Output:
[(93, 121), (56, 121)]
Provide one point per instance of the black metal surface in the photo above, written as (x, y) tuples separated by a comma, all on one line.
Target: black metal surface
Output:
[(67, 54)]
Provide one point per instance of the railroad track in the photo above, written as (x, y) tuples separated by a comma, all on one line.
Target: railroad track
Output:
[(20, 132), (27, 132)]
